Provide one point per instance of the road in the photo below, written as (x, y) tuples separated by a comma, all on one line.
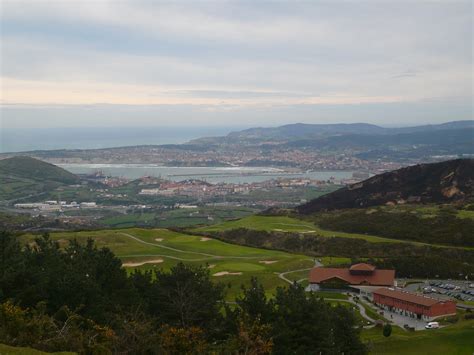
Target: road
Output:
[(283, 274)]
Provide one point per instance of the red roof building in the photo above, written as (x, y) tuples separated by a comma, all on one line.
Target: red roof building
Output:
[(358, 274), (412, 304)]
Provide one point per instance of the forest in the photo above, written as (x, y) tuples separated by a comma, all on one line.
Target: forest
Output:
[(443, 228)]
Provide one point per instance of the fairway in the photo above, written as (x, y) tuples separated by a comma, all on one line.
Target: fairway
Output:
[(290, 224), (147, 249)]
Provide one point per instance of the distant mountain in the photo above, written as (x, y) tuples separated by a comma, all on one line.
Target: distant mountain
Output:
[(25, 176), (301, 130), (447, 181)]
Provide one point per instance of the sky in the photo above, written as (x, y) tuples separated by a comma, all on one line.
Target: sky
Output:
[(139, 63)]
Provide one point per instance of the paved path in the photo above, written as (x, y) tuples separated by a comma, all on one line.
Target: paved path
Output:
[(283, 274), (362, 311)]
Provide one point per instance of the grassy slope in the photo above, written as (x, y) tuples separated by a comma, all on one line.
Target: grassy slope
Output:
[(30, 168), (289, 224), (13, 350), (454, 339), (177, 217), (222, 256), (24, 176)]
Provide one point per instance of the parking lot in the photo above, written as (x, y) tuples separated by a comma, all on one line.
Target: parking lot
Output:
[(445, 289)]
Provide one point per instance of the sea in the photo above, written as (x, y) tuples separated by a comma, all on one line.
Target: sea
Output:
[(28, 139)]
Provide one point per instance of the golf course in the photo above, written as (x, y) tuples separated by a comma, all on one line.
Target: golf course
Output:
[(231, 264), (234, 265), (295, 225)]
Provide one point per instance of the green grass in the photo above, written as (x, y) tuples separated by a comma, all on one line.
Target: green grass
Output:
[(289, 224), (13, 350), (218, 255), (359, 319), (176, 217), (333, 295), (266, 223), (465, 214), (454, 339)]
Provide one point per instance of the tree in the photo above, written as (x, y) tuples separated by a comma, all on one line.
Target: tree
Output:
[(182, 341), (252, 338), (387, 330), (187, 297), (253, 302)]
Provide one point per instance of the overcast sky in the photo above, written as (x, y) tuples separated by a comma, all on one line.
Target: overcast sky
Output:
[(228, 63)]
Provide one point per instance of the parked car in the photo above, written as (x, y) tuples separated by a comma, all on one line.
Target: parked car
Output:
[(432, 325)]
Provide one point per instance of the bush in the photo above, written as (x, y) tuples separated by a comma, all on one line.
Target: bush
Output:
[(387, 330), (451, 319)]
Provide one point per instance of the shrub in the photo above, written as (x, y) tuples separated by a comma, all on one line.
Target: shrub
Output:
[(387, 330)]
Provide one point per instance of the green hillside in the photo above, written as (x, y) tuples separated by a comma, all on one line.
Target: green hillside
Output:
[(24, 176), (27, 167)]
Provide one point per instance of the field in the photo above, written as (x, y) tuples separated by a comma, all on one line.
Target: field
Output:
[(176, 217), (161, 248), (289, 224), (454, 339)]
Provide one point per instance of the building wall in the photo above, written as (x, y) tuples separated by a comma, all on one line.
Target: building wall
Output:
[(441, 309), (413, 309)]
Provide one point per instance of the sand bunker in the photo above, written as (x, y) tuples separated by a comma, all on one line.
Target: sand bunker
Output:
[(158, 239), (212, 266), (266, 262), (205, 239), (140, 263), (223, 273), (278, 230)]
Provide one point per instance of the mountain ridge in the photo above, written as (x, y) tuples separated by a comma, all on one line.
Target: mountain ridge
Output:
[(448, 181)]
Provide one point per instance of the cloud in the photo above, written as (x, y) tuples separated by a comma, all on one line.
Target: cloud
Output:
[(235, 56)]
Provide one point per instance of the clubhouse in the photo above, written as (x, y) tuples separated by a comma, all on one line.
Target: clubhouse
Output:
[(349, 278), (412, 304)]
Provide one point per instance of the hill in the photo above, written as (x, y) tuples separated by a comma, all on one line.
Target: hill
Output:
[(302, 130), (25, 176), (443, 182), (31, 168), (365, 141)]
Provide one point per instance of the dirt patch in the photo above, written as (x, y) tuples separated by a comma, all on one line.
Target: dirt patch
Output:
[(266, 262), (205, 239), (223, 273), (212, 266), (140, 263), (278, 230), (158, 239)]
